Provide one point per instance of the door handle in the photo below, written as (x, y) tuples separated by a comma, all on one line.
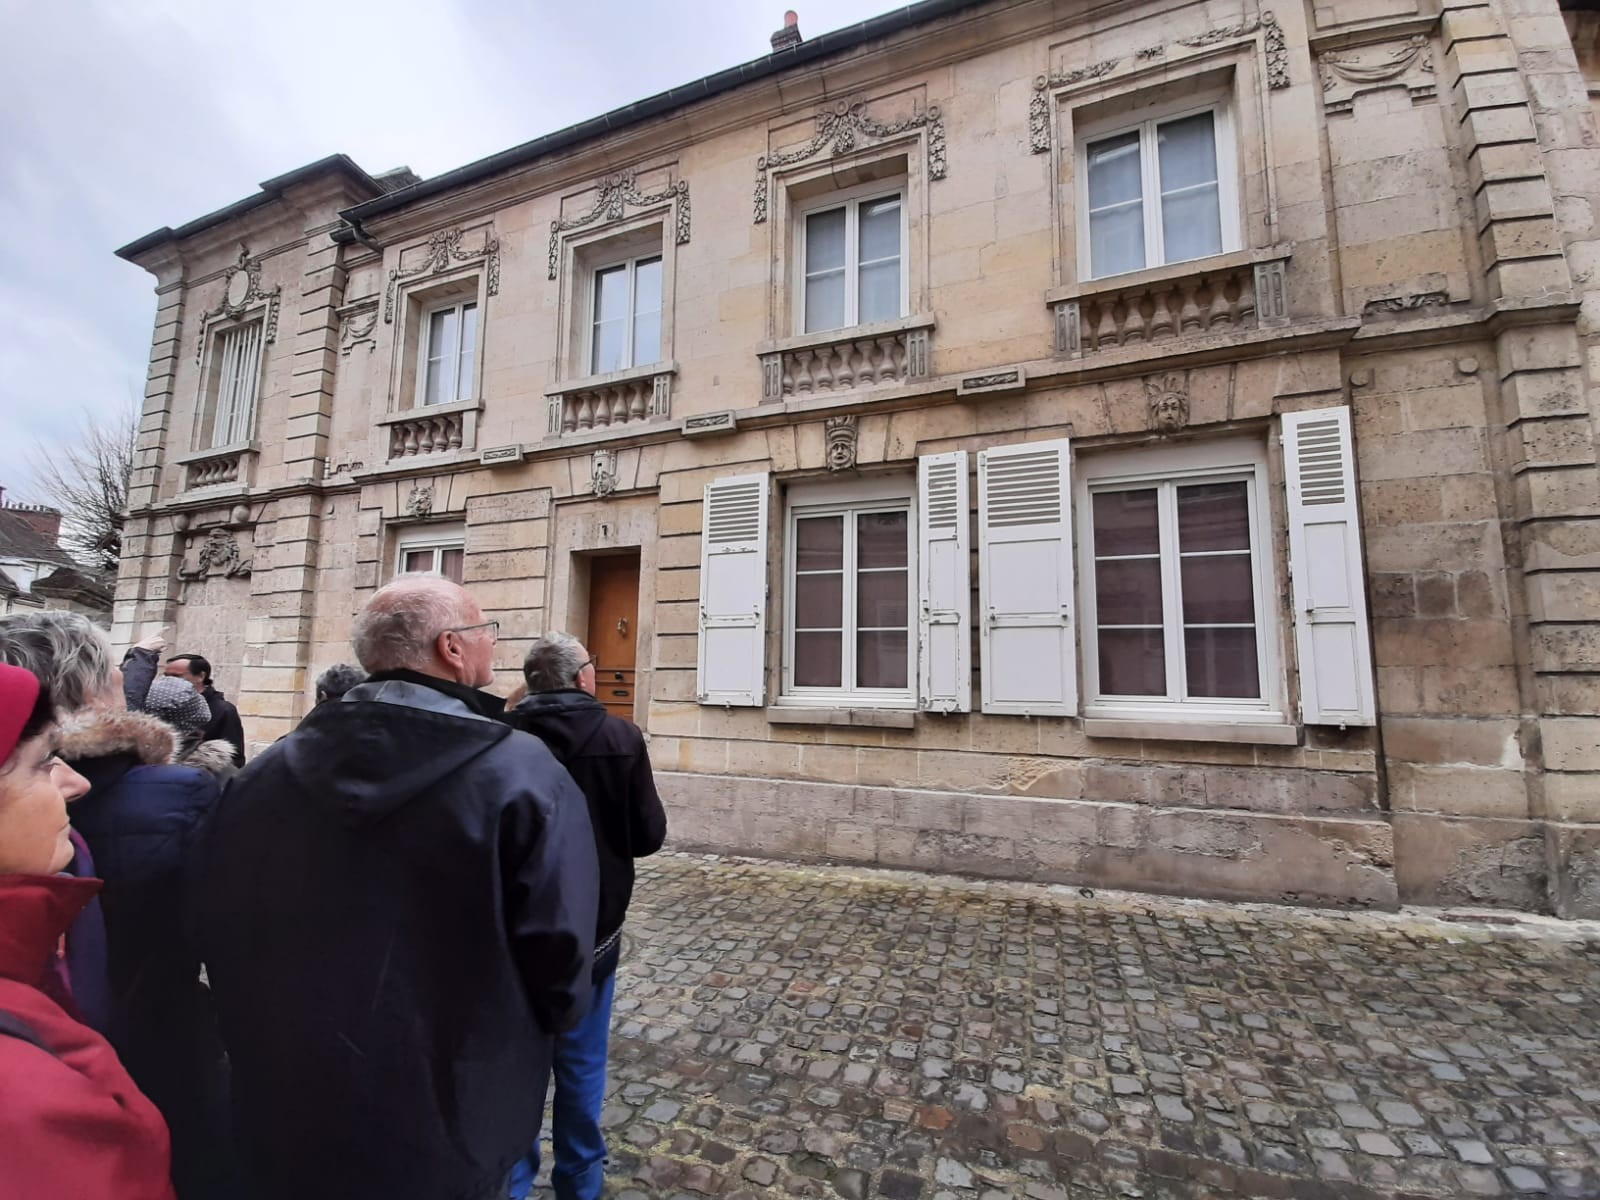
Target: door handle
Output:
[(622, 626)]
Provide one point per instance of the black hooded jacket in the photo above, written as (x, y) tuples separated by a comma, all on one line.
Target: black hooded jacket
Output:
[(606, 756), (396, 907)]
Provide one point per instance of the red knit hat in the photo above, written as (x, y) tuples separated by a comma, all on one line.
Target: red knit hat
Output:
[(19, 691)]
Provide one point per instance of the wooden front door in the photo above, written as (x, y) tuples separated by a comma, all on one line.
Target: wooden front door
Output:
[(613, 629)]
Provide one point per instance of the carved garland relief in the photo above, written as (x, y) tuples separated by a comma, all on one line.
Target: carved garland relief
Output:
[(356, 326), (1267, 25), (839, 130), (241, 293), (1348, 74), (444, 250), (617, 194)]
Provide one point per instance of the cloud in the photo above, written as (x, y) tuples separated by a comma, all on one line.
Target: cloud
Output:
[(121, 116)]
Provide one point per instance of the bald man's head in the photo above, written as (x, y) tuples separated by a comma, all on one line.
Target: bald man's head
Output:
[(404, 624)]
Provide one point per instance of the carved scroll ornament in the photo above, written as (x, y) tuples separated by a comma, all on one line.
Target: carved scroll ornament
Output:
[(840, 129), (444, 250), (617, 194), (241, 293), (1277, 51)]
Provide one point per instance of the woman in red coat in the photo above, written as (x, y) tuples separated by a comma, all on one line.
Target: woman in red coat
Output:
[(72, 1124)]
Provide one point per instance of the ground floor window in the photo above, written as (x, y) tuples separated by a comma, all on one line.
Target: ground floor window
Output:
[(440, 550), (1177, 581), (850, 596)]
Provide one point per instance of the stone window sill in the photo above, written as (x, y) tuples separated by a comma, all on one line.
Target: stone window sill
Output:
[(867, 718), (1236, 733)]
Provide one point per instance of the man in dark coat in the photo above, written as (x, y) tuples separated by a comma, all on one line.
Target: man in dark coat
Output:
[(606, 757), (397, 910), (225, 724)]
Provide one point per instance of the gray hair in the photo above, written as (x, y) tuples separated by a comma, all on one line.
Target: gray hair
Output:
[(68, 654), (553, 663), (401, 623), (337, 680)]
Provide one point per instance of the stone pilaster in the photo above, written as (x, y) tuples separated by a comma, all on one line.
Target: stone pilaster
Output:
[(144, 601), (1524, 113)]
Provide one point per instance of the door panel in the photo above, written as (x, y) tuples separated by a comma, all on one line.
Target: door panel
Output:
[(613, 630)]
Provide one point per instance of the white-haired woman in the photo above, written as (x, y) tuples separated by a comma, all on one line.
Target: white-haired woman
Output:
[(141, 817)]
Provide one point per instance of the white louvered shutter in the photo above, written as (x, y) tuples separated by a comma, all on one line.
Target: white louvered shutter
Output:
[(733, 592), (1330, 604), (944, 592), (1025, 579)]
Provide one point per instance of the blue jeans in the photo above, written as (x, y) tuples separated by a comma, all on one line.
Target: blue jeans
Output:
[(580, 1090)]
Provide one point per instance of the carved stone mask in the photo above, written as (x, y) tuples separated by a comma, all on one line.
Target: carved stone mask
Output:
[(1168, 399)]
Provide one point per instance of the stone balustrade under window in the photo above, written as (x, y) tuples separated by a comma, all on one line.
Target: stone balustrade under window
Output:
[(1227, 293), (436, 429), (607, 401), (842, 360), (220, 466)]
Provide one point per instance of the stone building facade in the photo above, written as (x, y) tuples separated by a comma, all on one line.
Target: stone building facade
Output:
[(1152, 449)]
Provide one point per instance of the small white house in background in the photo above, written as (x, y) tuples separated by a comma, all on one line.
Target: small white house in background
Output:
[(36, 573)]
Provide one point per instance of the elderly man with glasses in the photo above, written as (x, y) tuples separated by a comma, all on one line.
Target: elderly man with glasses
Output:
[(397, 910), (606, 756)]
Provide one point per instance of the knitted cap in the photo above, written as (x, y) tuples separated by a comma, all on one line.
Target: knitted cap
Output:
[(177, 703), (19, 691)]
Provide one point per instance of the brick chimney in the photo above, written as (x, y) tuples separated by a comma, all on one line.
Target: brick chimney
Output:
[(789, 35), (46, 522)]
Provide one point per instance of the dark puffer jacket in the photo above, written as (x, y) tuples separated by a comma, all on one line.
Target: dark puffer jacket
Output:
[(397, 909), (141, 817), (607, 758)]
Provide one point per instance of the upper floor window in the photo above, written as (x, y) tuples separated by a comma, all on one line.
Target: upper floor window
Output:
[(854, 261), (1158, 192), (447, 353), (626, 328), (236, 375)]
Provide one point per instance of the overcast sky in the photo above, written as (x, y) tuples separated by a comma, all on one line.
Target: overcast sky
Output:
[(120, 116)]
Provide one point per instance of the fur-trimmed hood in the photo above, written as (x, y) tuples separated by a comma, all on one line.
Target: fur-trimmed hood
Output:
[(100, 733), (214, 757)]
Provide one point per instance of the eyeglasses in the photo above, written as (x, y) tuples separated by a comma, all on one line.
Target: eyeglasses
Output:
[(492, 626), (592, 661)]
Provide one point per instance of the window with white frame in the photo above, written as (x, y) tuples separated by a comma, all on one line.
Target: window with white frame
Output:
[(437, 549), (1160, 191), (625, 325), (236, 376), (850, 596), (446, 353), (1177, 583), (852, 255)]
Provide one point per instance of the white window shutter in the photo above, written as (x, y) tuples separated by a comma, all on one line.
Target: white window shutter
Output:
[(944, 591), (1025, 579), (733, 592), (1330, 603)]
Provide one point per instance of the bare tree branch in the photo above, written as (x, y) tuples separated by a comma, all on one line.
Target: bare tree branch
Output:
[(87, 479)]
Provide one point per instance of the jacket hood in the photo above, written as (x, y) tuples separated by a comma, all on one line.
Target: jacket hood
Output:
[(562, 720), (100, 733), (35, 911), (214, 757), (384, 744)]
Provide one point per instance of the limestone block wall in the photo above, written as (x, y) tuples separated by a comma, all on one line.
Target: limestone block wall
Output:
[(1423, 181)]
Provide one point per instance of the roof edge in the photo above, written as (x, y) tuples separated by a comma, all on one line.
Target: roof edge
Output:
[(271, 189), (779, 61)]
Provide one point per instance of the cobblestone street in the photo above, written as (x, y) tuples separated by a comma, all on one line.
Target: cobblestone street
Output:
[(822, 1032)]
